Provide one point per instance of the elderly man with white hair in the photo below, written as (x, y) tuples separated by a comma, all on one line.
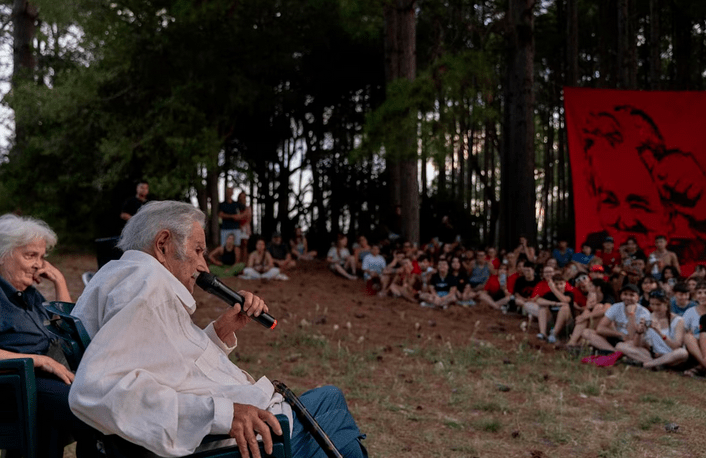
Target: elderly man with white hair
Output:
[(153, 377), (24, 242)]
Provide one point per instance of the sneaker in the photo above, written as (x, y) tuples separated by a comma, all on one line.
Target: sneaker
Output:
[(426, 304), (504, 308), (551, 339), (540, 336)]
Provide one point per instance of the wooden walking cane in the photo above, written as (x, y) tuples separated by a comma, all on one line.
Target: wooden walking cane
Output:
[(308, 420)]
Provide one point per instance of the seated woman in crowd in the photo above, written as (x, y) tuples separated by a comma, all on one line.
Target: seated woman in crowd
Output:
[(668, 278), (599, 298), (403, 283), (664, 337), (340, 259), (647, 284), (621, 322), (361, 250), (223, 259), (695, 338), (300, 247), (442, 290), (23, 244), (260, 264)]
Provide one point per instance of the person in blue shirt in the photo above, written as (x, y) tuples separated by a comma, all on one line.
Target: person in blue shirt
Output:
[(584, 256), (563, 253)]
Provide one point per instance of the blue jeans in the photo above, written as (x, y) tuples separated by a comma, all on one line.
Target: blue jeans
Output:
[(328, 406)]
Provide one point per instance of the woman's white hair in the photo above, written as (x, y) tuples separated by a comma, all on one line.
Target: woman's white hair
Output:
[(17, 231), (152, 218)]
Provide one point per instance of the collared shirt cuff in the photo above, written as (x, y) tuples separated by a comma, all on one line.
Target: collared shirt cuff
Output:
[(211, 333), (222, 416)]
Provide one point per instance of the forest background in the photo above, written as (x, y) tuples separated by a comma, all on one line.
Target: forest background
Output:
[(329, 113)]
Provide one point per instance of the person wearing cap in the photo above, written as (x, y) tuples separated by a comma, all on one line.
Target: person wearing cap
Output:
[(597, 271), (280, 253), (621, 322), (610, 256), (695, 337), (153, 377)]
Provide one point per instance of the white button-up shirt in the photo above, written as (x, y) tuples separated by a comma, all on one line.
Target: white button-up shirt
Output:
[(150, 374)]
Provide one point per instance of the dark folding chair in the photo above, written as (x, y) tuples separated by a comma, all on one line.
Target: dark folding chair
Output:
[(18, 409), (75, 340)]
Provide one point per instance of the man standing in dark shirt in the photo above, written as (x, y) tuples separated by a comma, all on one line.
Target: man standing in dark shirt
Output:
[(134, 203), (229, 213)]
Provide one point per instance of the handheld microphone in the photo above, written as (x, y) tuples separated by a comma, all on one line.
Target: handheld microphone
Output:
[(211, 284)]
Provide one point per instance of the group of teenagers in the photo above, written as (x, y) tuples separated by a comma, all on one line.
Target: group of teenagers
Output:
[(619, 301)]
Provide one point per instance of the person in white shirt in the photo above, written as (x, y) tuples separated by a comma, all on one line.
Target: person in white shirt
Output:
[(151, 376), (373, 264)]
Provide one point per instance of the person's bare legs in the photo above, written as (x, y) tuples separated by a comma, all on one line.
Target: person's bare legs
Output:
[(596, 340), (543, 319), (694, 348), (562, 318), (484, 298), (577, 335), (341, 271), (674, 358), (636, 353)]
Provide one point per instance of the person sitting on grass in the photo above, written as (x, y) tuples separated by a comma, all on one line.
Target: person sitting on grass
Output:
[(496, 292), (550, 303), (260, 264), (599, 298), (620, 323), (280, 254), (223, 259), (403, 283), (442, 290), (664, 337), (695, 337), (300, 247), (458, 273), (361, 250), (389, 272), (373, 266), (340, 260), (477, 279)]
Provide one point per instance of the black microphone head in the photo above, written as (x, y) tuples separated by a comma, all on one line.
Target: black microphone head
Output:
[(205, 280)]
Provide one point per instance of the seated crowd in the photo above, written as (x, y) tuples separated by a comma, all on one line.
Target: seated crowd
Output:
[(617, 300)]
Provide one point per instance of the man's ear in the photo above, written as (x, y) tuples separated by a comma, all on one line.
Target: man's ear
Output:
[(161, 245)]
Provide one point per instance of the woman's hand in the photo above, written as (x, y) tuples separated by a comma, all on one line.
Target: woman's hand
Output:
[(53, 274), (46, 364)]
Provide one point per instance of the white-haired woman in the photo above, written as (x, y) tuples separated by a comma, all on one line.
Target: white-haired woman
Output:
[(24, 242)]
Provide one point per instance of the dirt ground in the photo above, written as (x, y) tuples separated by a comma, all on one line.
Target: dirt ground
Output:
[(465, 382)]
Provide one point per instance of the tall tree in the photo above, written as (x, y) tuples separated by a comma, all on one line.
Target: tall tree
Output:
[(400, 58), (518, 192)]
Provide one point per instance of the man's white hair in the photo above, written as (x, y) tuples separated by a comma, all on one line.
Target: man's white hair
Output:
[(176, 217), (17, 231)]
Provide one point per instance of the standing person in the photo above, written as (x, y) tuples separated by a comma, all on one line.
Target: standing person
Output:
[(245, 230), (134, 203), (229, 214), (260, 264), (23, 243), (156, 379)]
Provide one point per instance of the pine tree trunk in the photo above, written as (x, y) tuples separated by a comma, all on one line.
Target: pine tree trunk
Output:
[(655, 55), (572, 43), (518, 191)]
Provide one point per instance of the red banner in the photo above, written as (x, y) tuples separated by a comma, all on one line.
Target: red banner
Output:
[(638, 162)]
